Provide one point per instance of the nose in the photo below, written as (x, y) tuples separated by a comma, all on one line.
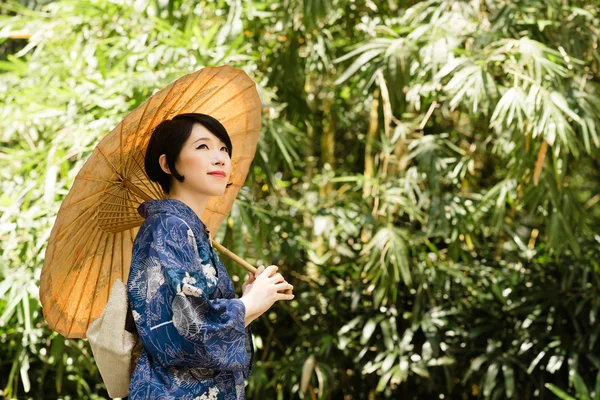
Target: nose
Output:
[(220, 158)]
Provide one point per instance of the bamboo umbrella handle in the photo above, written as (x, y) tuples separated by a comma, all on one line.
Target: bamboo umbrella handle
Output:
[(238, 259), (234, 257)]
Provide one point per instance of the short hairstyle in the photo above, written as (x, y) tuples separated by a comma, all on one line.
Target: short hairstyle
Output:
[(169, 137)]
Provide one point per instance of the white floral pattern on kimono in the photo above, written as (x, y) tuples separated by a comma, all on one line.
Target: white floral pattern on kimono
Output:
[(195, 345)]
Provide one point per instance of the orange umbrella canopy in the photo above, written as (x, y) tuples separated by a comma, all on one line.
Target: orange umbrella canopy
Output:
[(91, 241)]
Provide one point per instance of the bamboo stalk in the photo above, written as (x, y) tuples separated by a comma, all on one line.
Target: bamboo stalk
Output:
[(373, 126)]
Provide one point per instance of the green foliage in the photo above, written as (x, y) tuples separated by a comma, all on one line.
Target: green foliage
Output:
[(428, 178)]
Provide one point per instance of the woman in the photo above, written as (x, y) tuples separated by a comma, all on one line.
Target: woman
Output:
[(195, 334)]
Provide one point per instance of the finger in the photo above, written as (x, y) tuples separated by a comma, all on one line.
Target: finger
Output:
[(282, 296), (259, 270), (270, 270), (251, 278), (283, 286), (277, 278)]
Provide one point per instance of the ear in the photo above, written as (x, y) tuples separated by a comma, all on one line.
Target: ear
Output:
[(162, 161)]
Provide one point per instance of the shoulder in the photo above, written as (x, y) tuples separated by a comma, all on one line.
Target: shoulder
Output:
[(165, 223), (163, 228)]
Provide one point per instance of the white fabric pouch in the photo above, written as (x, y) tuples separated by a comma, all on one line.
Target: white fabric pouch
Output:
[(115, 349)]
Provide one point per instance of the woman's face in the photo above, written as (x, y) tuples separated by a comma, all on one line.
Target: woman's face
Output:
[(202, 154)]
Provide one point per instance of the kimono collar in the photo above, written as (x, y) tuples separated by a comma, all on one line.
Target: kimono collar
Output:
[(177, 208)]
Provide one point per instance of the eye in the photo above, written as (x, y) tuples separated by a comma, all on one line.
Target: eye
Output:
[(199, 147)]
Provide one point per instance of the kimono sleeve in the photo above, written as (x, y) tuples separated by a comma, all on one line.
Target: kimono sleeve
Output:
[(182, 326)]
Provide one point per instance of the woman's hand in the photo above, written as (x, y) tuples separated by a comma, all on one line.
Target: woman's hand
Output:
[(250, 279), (263, 290)]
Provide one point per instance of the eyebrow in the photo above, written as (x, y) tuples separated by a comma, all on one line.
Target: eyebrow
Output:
[(205, 138)]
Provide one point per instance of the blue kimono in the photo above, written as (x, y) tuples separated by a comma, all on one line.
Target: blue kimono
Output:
[(195, 345)]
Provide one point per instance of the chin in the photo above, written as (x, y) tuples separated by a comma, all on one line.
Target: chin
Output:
[(216, 192)]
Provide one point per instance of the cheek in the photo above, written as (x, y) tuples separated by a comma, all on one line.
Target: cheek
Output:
[(192, 162)]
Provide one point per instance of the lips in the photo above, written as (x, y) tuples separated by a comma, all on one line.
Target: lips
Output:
[(217, 173)]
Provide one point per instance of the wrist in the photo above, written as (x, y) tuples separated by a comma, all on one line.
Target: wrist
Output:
[(250, 314)]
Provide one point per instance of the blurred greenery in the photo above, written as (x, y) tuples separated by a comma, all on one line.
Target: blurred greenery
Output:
[(428, 178)]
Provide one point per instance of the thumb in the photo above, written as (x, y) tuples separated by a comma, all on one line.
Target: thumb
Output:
[(259, 270)]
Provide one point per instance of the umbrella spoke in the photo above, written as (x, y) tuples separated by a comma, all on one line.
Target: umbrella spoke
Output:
[(95, 286), (135, 207), (75, 203), (223, 85), (76, 313), (115, 170), (247, 111), (135, 138), (70, 236), (150, 188), (181, 107), (228, 100), (69, 291), (101, 297), (215, 211)]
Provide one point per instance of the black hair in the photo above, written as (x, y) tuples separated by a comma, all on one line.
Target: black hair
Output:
[(168, 138)]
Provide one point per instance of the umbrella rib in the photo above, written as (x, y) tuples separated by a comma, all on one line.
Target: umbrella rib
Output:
[(175, 102), (237, 115), (82, 290), (120, 223), (116, 211), (96, 283), (120, 226), (57, 241), (154, 117), (123, 278), (136, 134), (80, 201), (131, 241), (231, 98), (119, 197), (108, 161), (213, 93), (112, 261), (98, 180), (63, 312), (79, 237), (138, 188), (132, 237), (113, 255), (143, 181), (161, 104), (195, 94), (123, 227), (119, 204), (215, 211), (121, 147)]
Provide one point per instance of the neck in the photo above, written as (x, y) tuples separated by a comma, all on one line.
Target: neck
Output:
[(193, 200)]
